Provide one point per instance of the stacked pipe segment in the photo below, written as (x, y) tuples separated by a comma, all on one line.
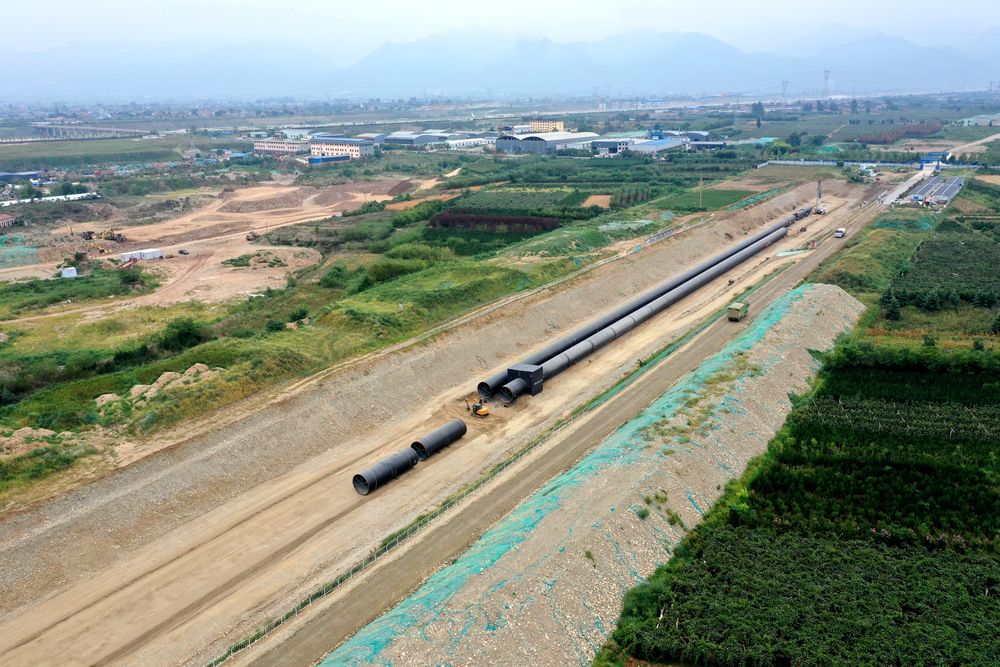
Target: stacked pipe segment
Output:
[(489, 387), (384, 471), (439, 438), (559, 362)]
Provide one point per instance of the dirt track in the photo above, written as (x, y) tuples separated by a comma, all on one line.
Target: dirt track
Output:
[(168, 560)]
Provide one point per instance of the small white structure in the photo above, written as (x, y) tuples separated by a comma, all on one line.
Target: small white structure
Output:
[(148, 253), (69, 272)]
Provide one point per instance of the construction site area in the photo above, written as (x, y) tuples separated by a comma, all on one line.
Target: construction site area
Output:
[(222, 526)]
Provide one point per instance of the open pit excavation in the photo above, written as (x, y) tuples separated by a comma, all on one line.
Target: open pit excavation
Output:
[(528, 375), (218, 536), (543, 585)]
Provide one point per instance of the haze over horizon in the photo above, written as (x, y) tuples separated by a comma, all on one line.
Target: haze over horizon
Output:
[(105, 49)]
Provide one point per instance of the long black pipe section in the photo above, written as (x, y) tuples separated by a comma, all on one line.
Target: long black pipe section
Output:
[(385, 471), (491, 386), (438, 439), (560, 362)]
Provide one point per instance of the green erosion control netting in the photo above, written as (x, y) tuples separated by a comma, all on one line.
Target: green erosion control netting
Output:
[(622, 448), (14, 252), (921, 224)]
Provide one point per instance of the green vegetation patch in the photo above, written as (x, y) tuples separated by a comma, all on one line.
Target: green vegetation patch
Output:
[(702, 200), (871, 261), (870, 527), (745, 597), (20, 297), (951, 267)]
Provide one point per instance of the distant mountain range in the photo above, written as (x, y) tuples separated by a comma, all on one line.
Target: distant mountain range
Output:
[(480, 64)]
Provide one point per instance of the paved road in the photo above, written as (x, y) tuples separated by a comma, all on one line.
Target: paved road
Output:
[(388, 581)]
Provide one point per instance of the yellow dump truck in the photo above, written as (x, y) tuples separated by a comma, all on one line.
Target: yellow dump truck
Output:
[(737, 311)]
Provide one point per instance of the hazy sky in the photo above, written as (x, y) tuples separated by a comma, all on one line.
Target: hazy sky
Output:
[(362, 26)]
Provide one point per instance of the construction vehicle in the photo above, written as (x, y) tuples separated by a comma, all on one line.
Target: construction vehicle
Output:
[(820, 208), (477, 409), (111, 235), (737, 311)]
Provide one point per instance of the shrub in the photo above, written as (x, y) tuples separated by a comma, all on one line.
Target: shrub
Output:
[(299, 313), (182, 333), (386, 269), (275, 325)]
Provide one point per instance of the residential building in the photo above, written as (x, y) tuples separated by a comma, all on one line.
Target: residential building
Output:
[(280, 146), (334, 146), (544, 125)]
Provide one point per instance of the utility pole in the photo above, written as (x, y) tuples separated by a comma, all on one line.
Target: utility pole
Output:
[(784, 89), (701, 191), (826, 84)]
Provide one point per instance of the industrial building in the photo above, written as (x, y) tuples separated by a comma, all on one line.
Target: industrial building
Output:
[(542, 125), (321, 147), (374, 137), (689, 135), (612, 146), (415, 138), (280, 146), (7, 220), (470, 142), (657, 146), (544, 142), (937, 191)]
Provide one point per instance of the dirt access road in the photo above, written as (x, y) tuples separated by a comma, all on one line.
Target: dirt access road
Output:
[(169, 560), (973, 146)]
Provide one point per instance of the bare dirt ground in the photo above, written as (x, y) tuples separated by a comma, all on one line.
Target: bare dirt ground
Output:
[(404, 205), (221, 225), (604, 201), (169, 559), (555, 593), (217, 232), (989, 178)]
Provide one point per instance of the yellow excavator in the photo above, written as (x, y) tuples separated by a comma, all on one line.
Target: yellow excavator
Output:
[(477, 409)]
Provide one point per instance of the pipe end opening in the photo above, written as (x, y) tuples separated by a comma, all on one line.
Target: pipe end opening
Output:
[(420, 450), (485, 390), (361, 485), (506, 396)]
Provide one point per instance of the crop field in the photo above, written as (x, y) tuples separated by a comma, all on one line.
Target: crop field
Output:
[(54, 154), (519, 199), (950, 267), (869, 532), (703, 200), (870, 527)]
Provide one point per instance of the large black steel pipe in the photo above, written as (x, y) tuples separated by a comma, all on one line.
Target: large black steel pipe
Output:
[(487, 388), (438, 439), (384, 471), (558, 363)]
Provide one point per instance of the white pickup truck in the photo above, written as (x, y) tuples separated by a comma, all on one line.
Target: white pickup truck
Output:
[(839, 233)]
